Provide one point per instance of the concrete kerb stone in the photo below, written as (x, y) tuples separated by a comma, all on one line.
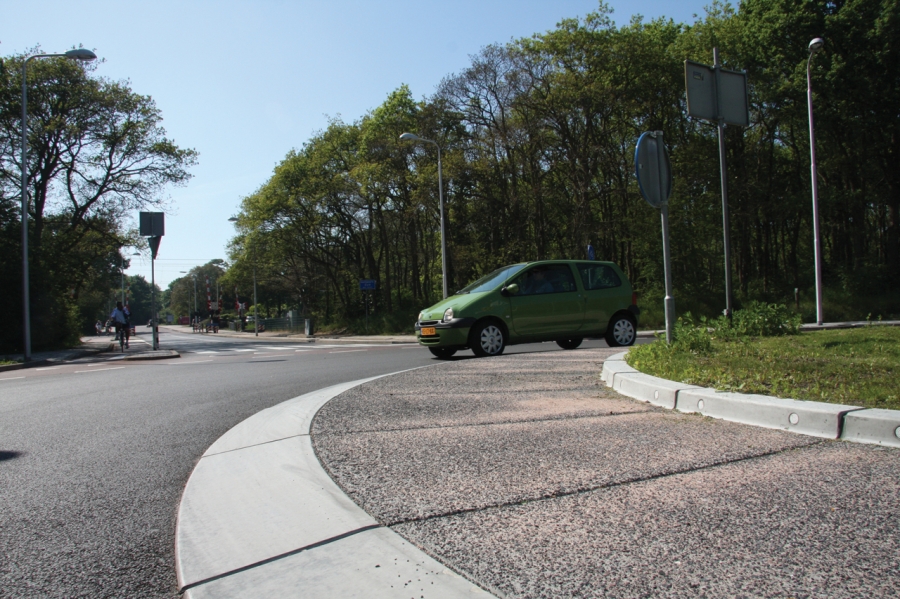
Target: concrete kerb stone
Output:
[(613, 365), (259, 511), (654, 390), (881, 427), (812, 418), (818, 419)]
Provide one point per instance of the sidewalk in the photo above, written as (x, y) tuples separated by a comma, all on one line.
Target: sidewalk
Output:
[(90, 345), (525, 476)]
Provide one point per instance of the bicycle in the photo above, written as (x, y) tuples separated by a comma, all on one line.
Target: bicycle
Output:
[(122, 331)]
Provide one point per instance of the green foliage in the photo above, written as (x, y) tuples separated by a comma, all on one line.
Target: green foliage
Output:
[(537, 139), (857, 367), (97, 153), (757, 319)]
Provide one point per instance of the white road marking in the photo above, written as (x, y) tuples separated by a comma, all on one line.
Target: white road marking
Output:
[(347, 351), (207, 351), (243, 350), (12, 378), (100, 369), (179, 363), (49, 368)]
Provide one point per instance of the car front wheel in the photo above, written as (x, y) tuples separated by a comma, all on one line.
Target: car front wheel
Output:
[(569, 343), (621, 331), (487, 339), (442, 353)]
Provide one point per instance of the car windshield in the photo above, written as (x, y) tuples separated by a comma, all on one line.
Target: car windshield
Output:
[(490, 282)]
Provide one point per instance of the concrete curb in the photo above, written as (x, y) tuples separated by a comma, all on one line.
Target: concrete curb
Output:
[(829, 421), (259, 516), (74, 355)]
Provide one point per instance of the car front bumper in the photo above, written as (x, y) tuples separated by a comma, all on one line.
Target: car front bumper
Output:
[(448, 334)]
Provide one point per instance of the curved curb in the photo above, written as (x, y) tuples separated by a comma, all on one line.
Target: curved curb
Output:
[(829, 421), (260, 517)]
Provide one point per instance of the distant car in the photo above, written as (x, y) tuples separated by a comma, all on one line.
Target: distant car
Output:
[(553, 300)]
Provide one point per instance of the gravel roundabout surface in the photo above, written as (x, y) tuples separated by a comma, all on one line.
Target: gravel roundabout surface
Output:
[(528, 476)]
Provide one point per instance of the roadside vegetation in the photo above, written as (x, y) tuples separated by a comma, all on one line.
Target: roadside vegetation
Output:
[(537, 142), (763, 351)]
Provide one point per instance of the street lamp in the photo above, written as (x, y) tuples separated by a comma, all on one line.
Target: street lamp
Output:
[(234, 219), (79, 54), (123, 276), (416, 139), (814, 46)]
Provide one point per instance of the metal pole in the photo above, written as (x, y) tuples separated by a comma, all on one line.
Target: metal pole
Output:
[(667, 263), (153, 324), (26, 299), (817, 243), (443, 224), (669, 301), (723, 170), (123, 280), (255, 304)]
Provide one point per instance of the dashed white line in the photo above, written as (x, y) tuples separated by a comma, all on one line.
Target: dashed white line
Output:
[(347, 351), (100, 369), (49, 368), (12, 378)]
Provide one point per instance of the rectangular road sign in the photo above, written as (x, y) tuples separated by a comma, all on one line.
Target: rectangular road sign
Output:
[(711, 94), (153, 224), (367, 284)]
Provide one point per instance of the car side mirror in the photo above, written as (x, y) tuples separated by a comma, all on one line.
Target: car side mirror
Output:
[(510, 289)]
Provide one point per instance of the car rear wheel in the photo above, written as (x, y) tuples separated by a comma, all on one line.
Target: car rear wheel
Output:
[(569, 343), (442, 353), (621, 331), (487, 339)]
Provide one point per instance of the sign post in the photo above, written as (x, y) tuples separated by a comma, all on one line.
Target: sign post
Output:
[(366, 285), (718, 96), (153, 225), (654, 175)]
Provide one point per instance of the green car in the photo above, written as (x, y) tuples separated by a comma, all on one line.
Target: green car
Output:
[(553, 300)]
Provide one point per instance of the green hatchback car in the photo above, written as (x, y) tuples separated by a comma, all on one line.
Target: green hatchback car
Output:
[(553, 300)]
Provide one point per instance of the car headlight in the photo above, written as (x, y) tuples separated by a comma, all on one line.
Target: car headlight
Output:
[(448, 314), (421, 316)]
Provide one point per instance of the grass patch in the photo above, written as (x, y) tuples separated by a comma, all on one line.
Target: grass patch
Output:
[(857, 367)]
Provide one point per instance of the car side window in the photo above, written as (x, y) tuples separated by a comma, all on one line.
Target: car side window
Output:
[(598, 276), (546, 278)]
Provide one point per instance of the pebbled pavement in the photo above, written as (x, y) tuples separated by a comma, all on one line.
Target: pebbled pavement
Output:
[(528, 476)]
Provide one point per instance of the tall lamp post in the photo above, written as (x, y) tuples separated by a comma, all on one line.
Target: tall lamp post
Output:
[(84, 56), (123, 276), (415, 138), (234, 219), (814, 46)]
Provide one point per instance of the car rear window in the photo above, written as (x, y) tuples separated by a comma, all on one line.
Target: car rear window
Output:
[(598, 276)]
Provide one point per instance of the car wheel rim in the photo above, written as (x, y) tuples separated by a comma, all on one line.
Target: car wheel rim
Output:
[(491, 340), (623, 332)]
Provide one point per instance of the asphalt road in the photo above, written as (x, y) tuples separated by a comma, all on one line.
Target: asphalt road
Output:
[(94, 454)]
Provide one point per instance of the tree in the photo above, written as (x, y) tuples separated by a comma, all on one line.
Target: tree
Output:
[(96, 152)]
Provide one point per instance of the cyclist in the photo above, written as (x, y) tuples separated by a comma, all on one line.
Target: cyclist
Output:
[(119, 317)]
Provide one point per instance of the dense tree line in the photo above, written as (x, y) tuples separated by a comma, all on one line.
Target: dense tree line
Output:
[(538, 138), (97, 152)]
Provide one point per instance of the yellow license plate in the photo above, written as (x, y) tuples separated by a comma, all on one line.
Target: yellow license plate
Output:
[(429, 331)]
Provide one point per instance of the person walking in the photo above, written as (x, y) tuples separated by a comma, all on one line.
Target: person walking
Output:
[(120, 316)]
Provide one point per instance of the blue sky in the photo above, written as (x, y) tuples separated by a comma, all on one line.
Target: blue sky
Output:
[(245, 82)]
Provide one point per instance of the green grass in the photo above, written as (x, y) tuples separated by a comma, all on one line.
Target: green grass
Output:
[(857, 367)]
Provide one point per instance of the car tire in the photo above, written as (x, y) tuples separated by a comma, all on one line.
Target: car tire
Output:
[(487, 339), (621, 332), (442, 353), (570, 343)]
